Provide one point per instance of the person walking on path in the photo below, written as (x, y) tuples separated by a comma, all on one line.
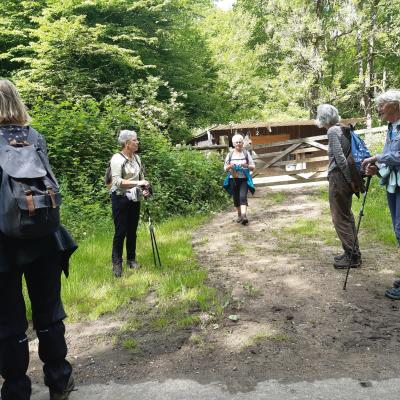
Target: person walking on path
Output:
[(341, 188), (41, 261), (388, 161), (239, 164)]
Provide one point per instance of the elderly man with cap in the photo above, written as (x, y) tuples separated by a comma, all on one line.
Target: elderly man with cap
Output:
[(388, 107)]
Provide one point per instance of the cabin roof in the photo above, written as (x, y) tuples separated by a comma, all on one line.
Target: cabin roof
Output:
[(249, 125)]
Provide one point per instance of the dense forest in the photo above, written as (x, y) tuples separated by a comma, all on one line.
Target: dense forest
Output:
[(168, 68)]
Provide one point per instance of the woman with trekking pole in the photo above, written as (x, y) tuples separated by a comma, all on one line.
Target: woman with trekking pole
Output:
[(128, 187), (240, 165), (388, 165), (341, 186)]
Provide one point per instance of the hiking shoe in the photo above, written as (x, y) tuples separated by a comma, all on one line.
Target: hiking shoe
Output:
[(132, 264), (344, 262), (65, 393), (339, 256), (393, 293), (396, 283), (245, 221), (117, 269), (239, 220)]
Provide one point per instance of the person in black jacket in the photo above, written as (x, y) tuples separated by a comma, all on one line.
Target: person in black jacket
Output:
[(41, 261)]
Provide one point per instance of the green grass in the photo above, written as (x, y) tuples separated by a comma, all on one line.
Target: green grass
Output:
[(376, 223), (275, 197), (130, 344), (312, 228), (178, 287), (264, 336)]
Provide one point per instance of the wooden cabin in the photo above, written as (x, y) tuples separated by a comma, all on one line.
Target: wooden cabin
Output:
[(262, 132), (290, 149)]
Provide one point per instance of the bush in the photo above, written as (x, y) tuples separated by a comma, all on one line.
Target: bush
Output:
[(81, 137)]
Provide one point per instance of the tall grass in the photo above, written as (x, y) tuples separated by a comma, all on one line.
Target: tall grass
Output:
[(376, 223), (91, 290)]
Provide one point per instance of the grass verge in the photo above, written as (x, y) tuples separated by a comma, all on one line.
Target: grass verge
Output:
[(176, 289)]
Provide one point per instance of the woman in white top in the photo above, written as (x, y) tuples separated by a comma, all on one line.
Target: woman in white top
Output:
[(126, 171), (237, 162)]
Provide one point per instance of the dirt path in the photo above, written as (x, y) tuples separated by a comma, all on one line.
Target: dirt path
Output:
[(294, 320)]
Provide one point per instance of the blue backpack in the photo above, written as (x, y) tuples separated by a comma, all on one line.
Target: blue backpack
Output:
[(359, 149), (357, 153)]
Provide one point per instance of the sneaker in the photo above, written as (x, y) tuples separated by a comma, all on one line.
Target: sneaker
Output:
[(396, 283), (344, 262), (117, 269), (393, 293), (65, 393), (245, 221), (132, 264), (239, 219)]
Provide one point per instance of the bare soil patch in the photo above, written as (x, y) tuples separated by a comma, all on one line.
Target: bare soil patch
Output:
[(294, 321)]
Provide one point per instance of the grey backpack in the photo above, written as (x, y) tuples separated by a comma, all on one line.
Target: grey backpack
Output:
[(29, 193)]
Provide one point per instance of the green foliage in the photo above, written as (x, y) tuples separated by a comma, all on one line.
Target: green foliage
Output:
[(81, 138)]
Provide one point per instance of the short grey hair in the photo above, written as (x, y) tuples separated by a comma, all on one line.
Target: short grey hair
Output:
[(126, 135), (237, 138), (391, 96), (327, 115)]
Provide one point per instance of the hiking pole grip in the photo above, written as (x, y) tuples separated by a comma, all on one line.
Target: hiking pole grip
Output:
[(360, 215)]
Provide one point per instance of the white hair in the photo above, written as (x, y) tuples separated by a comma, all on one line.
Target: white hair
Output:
[(391, 96), (327, 115), (126, 135), (237, 138)]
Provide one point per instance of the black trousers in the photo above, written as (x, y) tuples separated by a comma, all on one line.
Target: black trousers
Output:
[(43, 279), (126, 215), (239, 191)]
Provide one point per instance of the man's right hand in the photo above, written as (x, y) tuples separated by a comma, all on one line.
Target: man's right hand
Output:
[(371, 169)]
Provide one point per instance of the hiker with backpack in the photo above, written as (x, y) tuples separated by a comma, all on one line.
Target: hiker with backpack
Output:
[(388, 165), (341, 186), (128, 187), (239, 164), (33, 244)]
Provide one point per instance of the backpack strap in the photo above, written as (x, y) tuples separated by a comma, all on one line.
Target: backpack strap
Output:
[(3, 140), (230, 156), (33, 137), (246, 155), (124, 163), (141, 169), (347, 132)]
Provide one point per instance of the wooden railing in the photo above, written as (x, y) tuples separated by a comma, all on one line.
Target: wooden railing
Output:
[(293, 161)]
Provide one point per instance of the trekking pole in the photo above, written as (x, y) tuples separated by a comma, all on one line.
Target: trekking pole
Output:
[(154, 246), (360, 215)]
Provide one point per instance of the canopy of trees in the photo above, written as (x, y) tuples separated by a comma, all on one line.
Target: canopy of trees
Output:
[(86, 68)]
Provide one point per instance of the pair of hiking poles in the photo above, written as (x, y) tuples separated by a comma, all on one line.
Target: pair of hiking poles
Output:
[(154, 247), (360, 215)]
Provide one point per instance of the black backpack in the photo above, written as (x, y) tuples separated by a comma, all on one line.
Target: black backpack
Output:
[(30, 198)]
